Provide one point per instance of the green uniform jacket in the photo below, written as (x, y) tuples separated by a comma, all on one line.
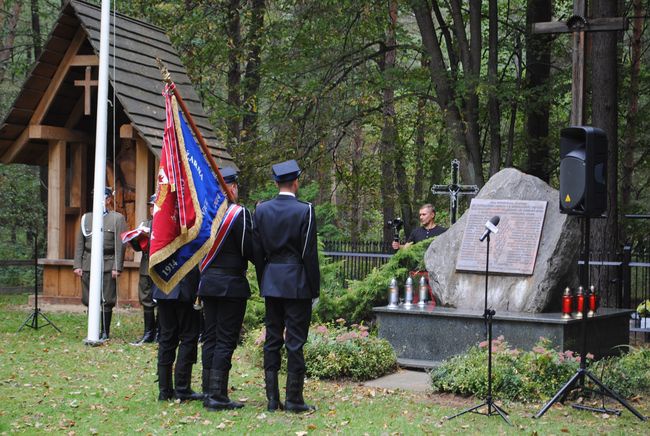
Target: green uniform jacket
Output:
[(144, 262), (114, 225)]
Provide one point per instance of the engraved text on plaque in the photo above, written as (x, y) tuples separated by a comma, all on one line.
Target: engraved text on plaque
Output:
[(513, 249)]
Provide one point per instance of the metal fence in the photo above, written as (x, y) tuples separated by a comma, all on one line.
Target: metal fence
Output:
[(621, 278), (357, 258), (19, 276)]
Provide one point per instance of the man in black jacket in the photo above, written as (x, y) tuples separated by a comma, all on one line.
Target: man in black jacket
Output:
[(429, 228), (224, 290), (286, 262), (179, 329)]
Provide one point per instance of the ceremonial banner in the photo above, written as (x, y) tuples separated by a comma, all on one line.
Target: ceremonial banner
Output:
[(190, 202), (138, 238)]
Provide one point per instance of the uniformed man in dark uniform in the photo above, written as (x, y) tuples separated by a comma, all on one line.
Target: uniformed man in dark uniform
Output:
[(286, 261), (113, 225), (224, 291), (145, 293), (179, 328)]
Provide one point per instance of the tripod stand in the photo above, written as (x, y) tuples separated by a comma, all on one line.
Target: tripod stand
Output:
[(488, 314), (577, 381), (32, 319)]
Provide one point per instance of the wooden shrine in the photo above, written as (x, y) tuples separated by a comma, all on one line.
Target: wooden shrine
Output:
[(52, 124)]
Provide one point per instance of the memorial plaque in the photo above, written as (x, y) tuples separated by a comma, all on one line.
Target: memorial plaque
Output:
[(513, 249)]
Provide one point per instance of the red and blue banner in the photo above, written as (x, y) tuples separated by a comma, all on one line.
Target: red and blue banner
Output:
[(190, 203)]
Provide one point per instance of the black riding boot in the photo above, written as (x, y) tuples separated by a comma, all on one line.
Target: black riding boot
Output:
[(272, 391), (165, 389), (205, 382), (106, 325), (183, 380), (294, 401), (156, 335), (149, 327), (218, 393)]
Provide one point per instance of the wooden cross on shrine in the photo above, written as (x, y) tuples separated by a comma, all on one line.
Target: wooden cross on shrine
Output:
[(453, 190), (86, 83), (578, 24)]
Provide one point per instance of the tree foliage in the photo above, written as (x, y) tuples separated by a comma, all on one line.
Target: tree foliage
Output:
[(315, 80)]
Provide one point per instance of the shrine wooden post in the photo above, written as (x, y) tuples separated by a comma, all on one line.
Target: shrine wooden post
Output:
[(578, 25)]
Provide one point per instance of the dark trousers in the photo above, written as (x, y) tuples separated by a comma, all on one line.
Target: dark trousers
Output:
[(179, 327), (109, 291), (295, 315), (145, 293), (223, 320)]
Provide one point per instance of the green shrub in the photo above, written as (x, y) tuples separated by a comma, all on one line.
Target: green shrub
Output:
[(628, 374), (356, 302), (537, 374), (516, 375), (333, 351)]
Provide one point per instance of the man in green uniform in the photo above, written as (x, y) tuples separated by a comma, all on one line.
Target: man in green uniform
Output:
[(114, 224)]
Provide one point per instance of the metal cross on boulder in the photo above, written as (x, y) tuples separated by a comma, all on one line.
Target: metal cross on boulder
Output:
[(453, 190)]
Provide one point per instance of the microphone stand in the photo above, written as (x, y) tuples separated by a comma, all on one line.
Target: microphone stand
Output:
[(488, 314), (32, 319)]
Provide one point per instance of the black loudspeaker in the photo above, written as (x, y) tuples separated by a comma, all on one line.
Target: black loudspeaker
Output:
[(583, 171)]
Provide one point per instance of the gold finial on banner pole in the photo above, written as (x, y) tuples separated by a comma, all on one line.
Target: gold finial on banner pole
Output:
[(164, 72)]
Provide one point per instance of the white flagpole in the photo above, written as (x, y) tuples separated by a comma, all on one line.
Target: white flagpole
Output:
[(97, 249)]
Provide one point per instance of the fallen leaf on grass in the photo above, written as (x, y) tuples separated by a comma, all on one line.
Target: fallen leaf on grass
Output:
[(301, 433), (564, 430), (261, 416), (312, 427), (66, 423)]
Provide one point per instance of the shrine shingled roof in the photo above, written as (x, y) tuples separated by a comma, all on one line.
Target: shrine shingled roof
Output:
[(133, 75)]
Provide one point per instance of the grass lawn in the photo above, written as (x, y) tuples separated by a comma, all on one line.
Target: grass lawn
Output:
[(51, 382)]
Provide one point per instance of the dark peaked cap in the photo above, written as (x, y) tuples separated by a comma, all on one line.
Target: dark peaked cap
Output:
[(229, 174), (286, 171), (108, 192)]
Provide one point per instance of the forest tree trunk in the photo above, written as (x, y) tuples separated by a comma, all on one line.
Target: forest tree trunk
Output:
[(538, 56), (604, 75)]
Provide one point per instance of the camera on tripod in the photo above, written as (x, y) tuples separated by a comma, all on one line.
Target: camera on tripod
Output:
[(396, 224)]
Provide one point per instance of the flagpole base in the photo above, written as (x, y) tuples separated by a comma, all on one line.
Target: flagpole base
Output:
[(93, 343)]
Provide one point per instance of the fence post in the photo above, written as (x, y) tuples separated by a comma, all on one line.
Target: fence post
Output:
[(626, 277)]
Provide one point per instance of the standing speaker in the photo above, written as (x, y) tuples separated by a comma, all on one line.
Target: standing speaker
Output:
[(583, 171)]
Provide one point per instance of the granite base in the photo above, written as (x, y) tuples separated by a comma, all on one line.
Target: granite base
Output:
[(425, 336)]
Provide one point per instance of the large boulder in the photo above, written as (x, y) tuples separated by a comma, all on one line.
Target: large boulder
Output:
[(555, 267)]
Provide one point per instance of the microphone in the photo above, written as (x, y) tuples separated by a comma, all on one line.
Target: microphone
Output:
[(491, 227)]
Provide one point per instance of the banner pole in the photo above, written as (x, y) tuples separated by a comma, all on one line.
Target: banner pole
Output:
[(167, 79)]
